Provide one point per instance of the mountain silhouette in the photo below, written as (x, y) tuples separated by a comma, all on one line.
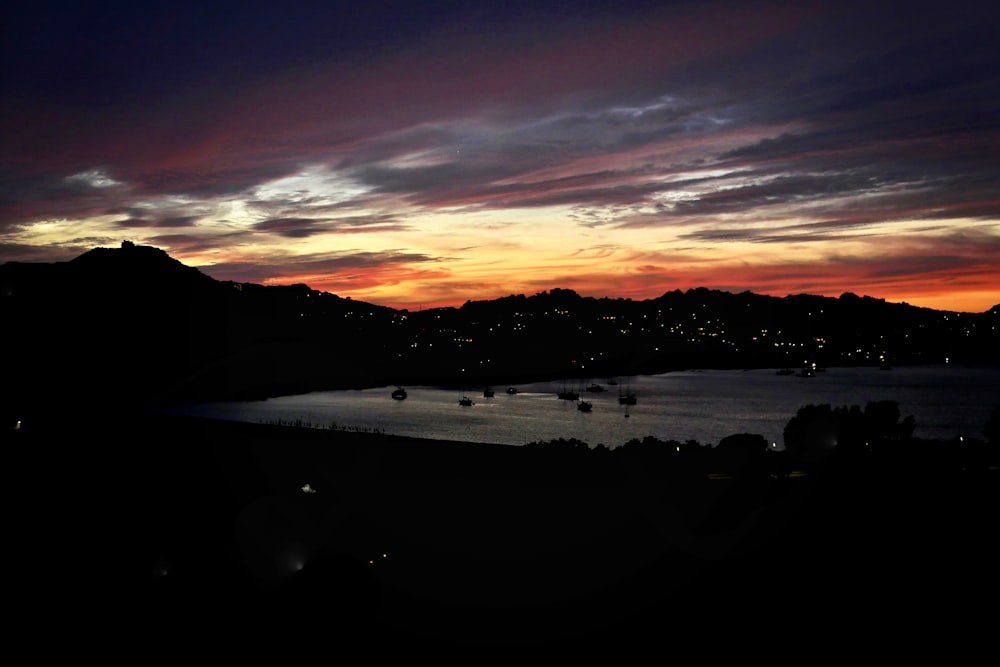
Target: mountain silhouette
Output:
[(180, 521), (131, 326)]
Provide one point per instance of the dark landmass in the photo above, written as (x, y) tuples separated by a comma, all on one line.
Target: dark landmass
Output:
[(131, 326), (130, 528), (180, 533)]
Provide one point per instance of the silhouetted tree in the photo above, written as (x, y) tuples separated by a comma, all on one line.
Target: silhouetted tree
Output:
[(811, 434), (817, 431), (882, 422)]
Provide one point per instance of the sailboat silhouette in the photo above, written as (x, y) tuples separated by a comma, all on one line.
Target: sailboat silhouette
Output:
[(568, 394), (627, 397)]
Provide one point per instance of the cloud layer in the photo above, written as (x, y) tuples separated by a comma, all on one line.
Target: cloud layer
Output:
[(416, 158)]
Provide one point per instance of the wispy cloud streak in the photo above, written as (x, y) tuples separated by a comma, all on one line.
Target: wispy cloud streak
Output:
[(437, 154)]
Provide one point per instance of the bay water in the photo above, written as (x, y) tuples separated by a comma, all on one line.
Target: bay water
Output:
[(946, 401), (702, 405)]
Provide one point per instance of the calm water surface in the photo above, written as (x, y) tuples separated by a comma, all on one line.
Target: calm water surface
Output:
[(946, 401)]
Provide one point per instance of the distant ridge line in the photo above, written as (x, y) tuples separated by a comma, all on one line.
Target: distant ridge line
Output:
[(133, 325)]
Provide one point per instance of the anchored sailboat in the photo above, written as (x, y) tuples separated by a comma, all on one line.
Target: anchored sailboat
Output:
[(627, 397), (568, 394)]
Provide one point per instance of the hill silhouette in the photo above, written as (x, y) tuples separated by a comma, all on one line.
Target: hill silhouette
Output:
[(133, 326), (167, 529)]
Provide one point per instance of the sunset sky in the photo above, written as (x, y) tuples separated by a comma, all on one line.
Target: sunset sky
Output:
[(425, 154)]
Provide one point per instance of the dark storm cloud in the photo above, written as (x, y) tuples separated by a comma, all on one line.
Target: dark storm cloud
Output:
[(722, 121), (936, 176), (856, 93), (305, 227), (779, 191), (604, 127), (293, 228), (768, 236), (164, 222), (895, 133), (29, 196), (907, 255), (470, 162), (15, 252), (733, 234), (625, 193), (910, 266), (193, 244), (421, 137), (452, 184), (365, 223), (275, 268), (420, 179), (920, 111), (359, 260), (213, 181)]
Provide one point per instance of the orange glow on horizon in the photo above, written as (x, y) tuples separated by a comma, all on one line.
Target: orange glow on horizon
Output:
[(928, 293), (435, 159)]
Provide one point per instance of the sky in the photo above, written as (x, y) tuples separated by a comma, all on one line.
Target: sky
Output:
[(417, 155)]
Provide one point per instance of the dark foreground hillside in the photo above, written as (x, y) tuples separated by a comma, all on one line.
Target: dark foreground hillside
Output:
[(177, 532)]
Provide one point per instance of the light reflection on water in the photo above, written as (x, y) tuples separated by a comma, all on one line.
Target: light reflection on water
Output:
[(704, 406)]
